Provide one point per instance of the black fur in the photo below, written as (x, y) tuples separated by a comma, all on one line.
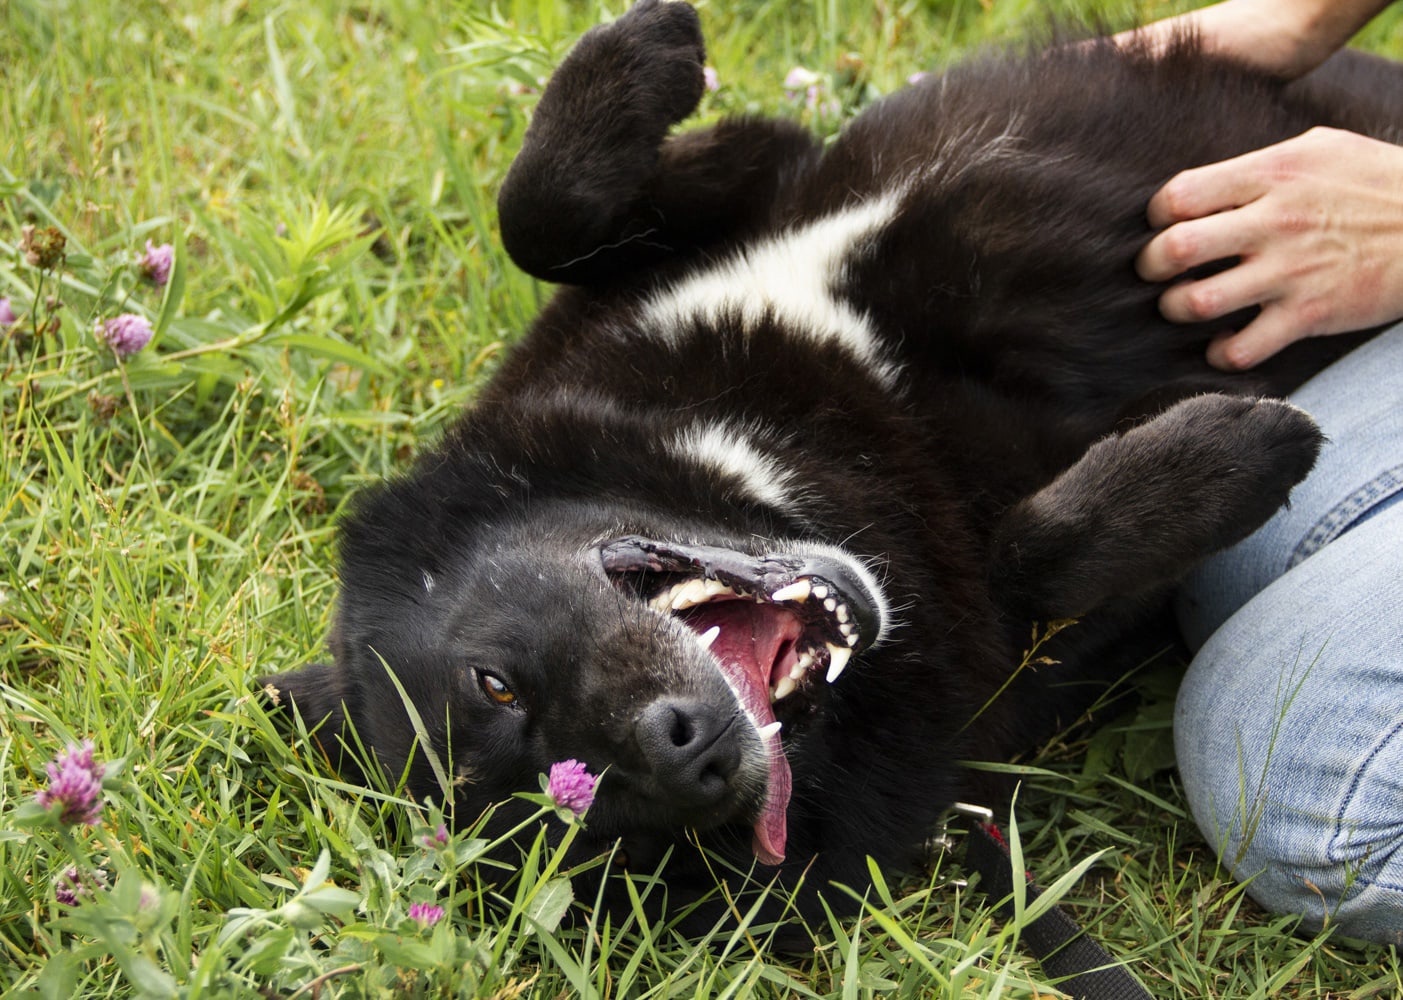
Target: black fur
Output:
[(1049, 447)]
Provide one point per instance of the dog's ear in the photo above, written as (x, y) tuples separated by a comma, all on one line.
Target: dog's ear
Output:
[(319, 694), (1141, 508)]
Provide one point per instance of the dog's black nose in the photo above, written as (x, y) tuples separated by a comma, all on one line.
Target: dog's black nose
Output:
[(691, 747)]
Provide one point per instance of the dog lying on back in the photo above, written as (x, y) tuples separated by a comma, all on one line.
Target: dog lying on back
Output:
[(756, 519)]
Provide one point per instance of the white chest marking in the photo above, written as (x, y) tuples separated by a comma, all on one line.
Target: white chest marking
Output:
[(728, 450), (791, 277)]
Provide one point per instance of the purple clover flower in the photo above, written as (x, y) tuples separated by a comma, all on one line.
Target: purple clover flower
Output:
[(710, 79), (69, 888), (125, 334), (436, 839), (7, 313), (425, 914), (571, 786), (75, 782), (155, 264), (73, 886)]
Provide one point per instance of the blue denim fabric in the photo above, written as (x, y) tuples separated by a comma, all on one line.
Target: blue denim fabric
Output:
[(1289, 724)]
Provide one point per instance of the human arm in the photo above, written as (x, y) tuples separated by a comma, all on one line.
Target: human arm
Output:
[(1315, 223), (1284, 38)]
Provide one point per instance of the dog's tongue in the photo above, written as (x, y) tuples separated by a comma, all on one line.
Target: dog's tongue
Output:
[(770, 828), (747, 647)]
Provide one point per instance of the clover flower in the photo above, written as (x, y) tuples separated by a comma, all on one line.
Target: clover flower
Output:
[(155, 264), (7, 313), (710, 79), (571, 786), (75, 782), (71, 887), (436, 839), (425, 914), (917, 77), (800, 79), (125, 334)]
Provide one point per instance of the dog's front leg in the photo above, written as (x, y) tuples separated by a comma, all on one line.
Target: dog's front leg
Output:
[(1140, 509), (598, 192)]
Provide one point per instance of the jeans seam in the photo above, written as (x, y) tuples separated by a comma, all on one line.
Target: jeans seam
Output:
[(1345, 514), (1335, 850)]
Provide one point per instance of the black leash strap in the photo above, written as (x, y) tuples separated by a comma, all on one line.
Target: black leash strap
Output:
[(1073, 960)]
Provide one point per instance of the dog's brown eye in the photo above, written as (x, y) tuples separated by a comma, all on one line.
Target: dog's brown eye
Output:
[(496, 688)]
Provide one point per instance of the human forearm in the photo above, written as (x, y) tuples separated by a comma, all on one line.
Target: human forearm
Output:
[(1285, 38)]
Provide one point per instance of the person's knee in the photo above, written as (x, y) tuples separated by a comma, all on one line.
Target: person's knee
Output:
[(1299, 802), (1357, 890)]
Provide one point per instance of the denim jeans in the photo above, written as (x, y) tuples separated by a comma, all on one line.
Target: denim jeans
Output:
[(1289, 725)]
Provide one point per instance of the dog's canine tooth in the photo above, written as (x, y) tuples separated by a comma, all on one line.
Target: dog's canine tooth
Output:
[(798, 592), (705, 639), (771, 730), (785, 687), (837, 659)]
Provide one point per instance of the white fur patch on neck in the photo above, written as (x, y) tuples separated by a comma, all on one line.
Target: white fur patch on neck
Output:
[(793, 278), (729, 450)]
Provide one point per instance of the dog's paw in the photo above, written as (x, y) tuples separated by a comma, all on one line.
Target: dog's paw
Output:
[(655, 52), (1269, 443)]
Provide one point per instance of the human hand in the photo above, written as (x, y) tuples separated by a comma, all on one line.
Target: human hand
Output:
[(1316, 223)]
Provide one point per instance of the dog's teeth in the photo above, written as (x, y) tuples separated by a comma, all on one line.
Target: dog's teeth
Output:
[(847, 628), (837, 659), (799, 669), (705, 639), (766, 732), (715, 588), (820, 592), (852, 639), (806, 660), (689, 595), (830, 604), (798, 591), (785, 687), (842, 612)]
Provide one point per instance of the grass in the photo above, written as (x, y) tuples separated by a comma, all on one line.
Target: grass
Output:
[(327, 173)]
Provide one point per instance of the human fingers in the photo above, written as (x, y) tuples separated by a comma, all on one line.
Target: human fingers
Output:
[(1203, 299), (1203, 191), (1273, 329), (1190, 244)]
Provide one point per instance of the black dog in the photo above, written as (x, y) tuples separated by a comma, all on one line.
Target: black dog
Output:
[(756, 519)]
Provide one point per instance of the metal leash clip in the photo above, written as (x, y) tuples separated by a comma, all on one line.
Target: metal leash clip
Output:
[(942, 842)]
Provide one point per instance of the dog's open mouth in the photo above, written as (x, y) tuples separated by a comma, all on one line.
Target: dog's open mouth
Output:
[(775, 624)]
